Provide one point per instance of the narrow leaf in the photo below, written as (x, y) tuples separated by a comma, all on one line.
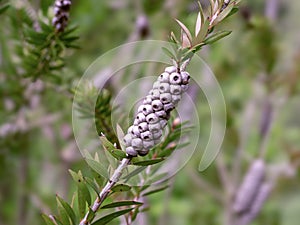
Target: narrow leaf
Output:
[(133, 173), (185, 30), (155, 191), (91, 215), (121, 203), (198, 24), (68, 209), (83, 192), (121, 188), (148, 162), (97, 167), (202, 33), (92, 184), (216, 36), (106, 219), (62, 213), (107, 145), (168, 53), (48, 220)]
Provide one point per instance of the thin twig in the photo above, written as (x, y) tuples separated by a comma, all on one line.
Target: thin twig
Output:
[(105, 191)]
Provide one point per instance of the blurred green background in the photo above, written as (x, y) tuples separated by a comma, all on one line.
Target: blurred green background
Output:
[(257, 63)]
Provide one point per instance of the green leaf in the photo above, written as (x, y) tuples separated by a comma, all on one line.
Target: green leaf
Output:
[(202, 33), (148, 162), (155, 191), (92, 184), (91, 215), (168, 53), (83, 192), (185, 30), (4, 8), (67, 208), (48, 220), (97, 167), (121, 188), (216, 36), (224, 13), (121, 203), (133, 173), (62, 213), (106, 219), (107, 145)]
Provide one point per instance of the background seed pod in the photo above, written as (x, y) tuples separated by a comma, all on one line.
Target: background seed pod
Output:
[(250, 186)]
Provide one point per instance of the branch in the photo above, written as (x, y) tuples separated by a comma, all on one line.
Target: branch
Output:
[(105, 191)]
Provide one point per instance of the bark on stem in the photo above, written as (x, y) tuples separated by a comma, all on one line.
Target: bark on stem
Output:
[(105, 191)]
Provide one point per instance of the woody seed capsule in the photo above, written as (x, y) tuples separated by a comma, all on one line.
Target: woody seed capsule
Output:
[(152, 118), (164, 87), (164, 78), (165, 98), (170, 69), (175, 89), (143, 127), (155, 93), (157, 105), (175, 78)]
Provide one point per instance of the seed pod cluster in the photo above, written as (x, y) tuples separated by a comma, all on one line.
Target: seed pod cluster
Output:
[(153, 114), (250, 186), (61, 14)]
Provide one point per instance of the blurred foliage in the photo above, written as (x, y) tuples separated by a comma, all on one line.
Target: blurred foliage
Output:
[(38, 146)]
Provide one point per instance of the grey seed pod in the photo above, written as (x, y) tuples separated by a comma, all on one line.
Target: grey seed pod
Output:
[(143, 152), (161, 114), (141, 117), (164, 78), (143, 127), (135, 131), (137, 143), (145, 109), (148, 100), (176, 99), (184, 87), (169, 107), (156, 85), (165, 98), (170, 69), (157, 135), (163, 123), (175, 78), (260, 199), (155, 93), (154, 128), (136, 122), (164, 87), (185, 77), (147, 135), (175, 89), (152, 118), (249, 187), (157, 105), (148, 144), (130, 129), (127, 140), (130, 151)]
